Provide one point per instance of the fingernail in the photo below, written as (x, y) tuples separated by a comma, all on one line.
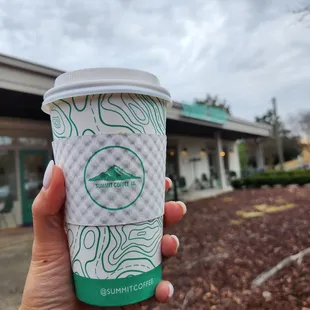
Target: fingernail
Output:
[(48, 175), (176, 239), (182, 204), (171, 289), (169, 181)]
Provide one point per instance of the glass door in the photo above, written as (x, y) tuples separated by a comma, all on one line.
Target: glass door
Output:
[(32, 167)]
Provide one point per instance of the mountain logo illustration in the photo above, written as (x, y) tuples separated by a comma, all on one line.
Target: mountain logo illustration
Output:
[(114, 173), (102, 180)]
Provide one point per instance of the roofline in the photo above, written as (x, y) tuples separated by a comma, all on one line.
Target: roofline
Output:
[(178, 105), (28, 66), (243, 121)]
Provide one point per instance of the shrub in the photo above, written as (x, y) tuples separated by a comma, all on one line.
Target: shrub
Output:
[(300, 177), (237, 184)]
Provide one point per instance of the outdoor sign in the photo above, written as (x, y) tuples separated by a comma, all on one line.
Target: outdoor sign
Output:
[(204, 112)]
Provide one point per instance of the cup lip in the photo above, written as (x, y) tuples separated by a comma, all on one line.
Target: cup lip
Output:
[(73, 84)]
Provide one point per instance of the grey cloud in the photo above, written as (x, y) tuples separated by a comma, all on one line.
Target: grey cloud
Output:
[(243, 50)]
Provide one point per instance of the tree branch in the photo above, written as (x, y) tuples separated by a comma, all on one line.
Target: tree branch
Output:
[(187, 297), (285, 262), (211, 258)]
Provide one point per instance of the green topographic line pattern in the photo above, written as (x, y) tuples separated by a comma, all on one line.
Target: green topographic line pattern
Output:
[(147, 106), (92, 233), (105, 246), (152, 109), (140, 236), (57, 135), (101, 114), (130, 273), (138, 247), (152, 112), (162, 112), (95, 255), (94, 114), (88, 130), (136, 111), (70, 232), (76, 239), (54, 118), (81, 109), (135, 116), (82, 247), (123, 115), (69, 116), (119, 262), (121, 254), (78, 262), (157, 112)]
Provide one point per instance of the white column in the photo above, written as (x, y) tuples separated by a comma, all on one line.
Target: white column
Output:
[(220, 160), (260, 161), (234, 161)]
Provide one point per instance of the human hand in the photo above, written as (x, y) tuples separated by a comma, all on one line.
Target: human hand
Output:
[(49, 281)]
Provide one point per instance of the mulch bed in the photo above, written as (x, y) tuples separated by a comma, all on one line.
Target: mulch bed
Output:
[(218, 259)]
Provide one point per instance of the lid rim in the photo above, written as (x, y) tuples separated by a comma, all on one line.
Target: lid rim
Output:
[(103, 74), (98, 90), (104, 80), (97, 83)]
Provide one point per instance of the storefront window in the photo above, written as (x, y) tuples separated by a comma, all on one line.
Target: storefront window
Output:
[(34, 165), (5, 140), (172, 162), (7, 175), (31, 142)]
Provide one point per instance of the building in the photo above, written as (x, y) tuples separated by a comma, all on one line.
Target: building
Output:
[(302, 161), (202, 141)]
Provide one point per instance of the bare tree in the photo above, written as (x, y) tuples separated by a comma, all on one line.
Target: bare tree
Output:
[(214, 101), (301, 125)]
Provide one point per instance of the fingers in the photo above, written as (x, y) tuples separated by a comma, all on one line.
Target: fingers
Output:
[(174, 212), (168, 184), (47, 207), (170, 245), (164, 291)]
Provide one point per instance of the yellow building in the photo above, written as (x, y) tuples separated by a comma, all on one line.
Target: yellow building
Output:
[(303, 159)]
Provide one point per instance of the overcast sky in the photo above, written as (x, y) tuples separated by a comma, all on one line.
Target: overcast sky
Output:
[(244, 51)]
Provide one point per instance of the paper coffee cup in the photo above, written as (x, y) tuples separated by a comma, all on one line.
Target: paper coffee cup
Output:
[(109, 130)]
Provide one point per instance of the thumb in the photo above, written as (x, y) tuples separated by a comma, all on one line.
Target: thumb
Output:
[(47, 212)]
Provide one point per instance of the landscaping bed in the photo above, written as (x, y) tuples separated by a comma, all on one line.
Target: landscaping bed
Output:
[(273, 178), (226, 242)]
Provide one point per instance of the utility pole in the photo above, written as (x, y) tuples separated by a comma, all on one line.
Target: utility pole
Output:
[(277, 133)]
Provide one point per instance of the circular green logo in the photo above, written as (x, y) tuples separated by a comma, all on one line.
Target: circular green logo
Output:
[(114, 177)]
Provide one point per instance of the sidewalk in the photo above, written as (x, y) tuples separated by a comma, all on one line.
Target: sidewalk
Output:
[(198, 194), (202, 194), (15, 253)]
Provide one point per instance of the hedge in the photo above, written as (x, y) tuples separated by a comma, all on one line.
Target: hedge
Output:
[(273, 178)]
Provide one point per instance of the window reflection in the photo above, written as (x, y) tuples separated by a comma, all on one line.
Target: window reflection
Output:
[(25, 141), (7, 175), (33, 174), (5, 140)]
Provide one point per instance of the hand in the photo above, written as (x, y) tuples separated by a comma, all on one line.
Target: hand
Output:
[(49, 284)]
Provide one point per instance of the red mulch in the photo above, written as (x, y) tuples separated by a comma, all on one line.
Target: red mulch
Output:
[(218, 260)]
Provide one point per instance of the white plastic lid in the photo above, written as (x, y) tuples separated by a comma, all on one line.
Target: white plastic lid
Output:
[(104, 80)]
